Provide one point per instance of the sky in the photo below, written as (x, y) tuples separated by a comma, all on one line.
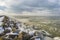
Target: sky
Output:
[(30, 7)]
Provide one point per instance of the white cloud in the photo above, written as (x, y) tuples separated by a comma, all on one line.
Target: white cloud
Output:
[(38, 13), (2, 3), (52, 1), (38, 7)]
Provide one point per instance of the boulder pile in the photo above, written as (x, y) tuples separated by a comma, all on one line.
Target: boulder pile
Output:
[(11, 29)]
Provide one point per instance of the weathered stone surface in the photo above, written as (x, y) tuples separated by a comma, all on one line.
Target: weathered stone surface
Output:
[(48, 38), (56, 38), (22, 32)]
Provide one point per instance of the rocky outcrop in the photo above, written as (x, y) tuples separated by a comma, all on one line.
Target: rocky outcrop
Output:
[(11, 29)]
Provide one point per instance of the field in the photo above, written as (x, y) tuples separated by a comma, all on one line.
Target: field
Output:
[(47, 23)]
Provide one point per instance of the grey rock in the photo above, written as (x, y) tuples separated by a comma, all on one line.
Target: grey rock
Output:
[(48, 38)]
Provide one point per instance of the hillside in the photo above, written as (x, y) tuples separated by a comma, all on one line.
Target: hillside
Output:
[(13, 29), (48, 23)]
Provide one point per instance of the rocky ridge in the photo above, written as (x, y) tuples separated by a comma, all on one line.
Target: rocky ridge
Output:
[(11, 29)]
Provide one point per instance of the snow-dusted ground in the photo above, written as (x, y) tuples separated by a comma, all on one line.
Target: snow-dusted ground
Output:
[(24, 28)]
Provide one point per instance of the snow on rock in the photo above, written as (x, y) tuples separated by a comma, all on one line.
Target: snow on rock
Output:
[(1, 23), (37, 34), (48, 38), (32, 32), (46, 33), (18, 24), (37, 39), (22, 29), (1, 18), (1, 30), (11, 33), (56, 38), (9, 28)]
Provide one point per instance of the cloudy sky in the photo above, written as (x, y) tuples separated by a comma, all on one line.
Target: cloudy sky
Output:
[(30, 7)]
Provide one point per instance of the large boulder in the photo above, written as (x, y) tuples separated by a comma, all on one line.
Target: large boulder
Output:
[(7, 31), (23, 36), (48, 38)]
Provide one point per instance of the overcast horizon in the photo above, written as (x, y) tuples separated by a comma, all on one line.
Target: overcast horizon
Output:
[(30, 7)]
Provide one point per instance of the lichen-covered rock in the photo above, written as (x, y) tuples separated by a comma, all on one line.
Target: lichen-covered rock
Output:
[(24, 36)]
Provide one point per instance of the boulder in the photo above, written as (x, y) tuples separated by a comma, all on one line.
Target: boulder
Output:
[(24, 36), (48, 38)]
